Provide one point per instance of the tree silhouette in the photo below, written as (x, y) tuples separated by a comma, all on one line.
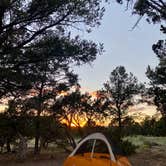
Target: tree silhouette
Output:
[(80, 109), (54, 74), (120, 89), (158, 78), (37, 51), (153, 10), (24, 23)]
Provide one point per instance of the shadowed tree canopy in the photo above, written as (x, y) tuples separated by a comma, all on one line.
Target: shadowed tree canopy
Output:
[(154, 10), (37, 50), (121, 88), (157, 78), (77, 108), (24, 29), (47, 64)]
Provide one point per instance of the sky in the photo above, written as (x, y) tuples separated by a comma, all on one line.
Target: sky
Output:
[(132, 49)]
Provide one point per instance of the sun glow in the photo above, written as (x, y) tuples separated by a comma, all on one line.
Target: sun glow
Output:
[(74, 124), (138, 111)]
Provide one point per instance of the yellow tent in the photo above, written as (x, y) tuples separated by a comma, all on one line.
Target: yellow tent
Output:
[(95, 150)]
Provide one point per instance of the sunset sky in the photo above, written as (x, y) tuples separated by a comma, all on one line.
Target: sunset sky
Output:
[(131, 49)]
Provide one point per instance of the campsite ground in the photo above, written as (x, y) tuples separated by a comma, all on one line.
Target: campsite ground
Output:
[(154, 156), (151, 152)]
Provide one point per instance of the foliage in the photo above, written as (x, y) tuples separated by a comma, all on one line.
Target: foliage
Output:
[(120, 145), (13, 125), (155, 11), (160, 128), (121, 87), (127, 147), (27, 26), (130, 127), (70, 109), (80, 109), (7, 133), (51, 131), (144, 142), (12, 128), (148, 127), (37, 51), (158, 79), (153, 127)]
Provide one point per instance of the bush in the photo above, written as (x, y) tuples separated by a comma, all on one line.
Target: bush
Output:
[(120, 145), (127, 147)]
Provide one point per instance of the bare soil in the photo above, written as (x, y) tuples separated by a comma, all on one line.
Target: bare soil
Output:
[(154, 156)]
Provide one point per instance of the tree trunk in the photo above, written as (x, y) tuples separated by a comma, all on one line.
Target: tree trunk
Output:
[(43, 144), (71, 139), (22, 148), (119, 131), (37, 137), (80, 131), (119, 118), (8, 145), (1, 16), (37, 131), (2, 143)]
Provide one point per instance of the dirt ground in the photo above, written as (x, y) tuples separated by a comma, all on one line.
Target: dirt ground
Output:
[(154, 156)]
